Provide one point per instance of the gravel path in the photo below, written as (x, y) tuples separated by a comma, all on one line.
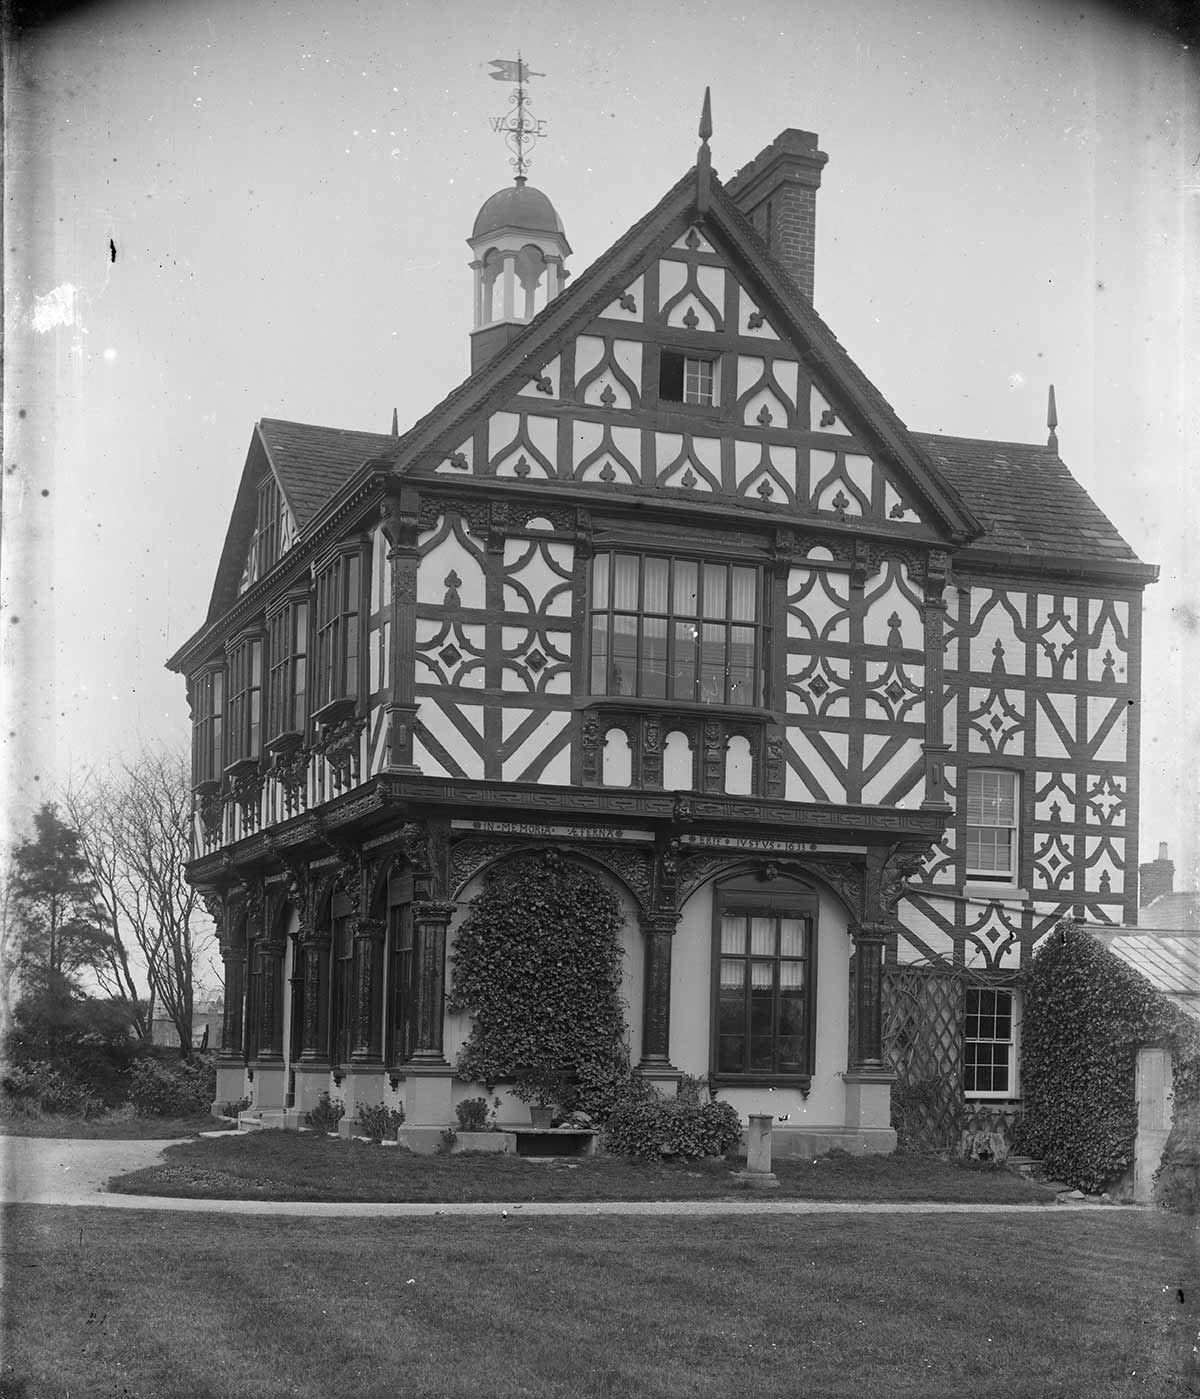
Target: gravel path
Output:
[(57, 1171)]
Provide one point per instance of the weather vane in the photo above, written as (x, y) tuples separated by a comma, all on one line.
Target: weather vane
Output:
[(519, 129)]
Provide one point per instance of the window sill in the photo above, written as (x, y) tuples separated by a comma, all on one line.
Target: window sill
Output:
[(1010, 892), (285, 742), (335, 711), (801, 1081), (670, 706)]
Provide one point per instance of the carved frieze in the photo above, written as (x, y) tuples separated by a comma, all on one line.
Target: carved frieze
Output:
[(339, 745)]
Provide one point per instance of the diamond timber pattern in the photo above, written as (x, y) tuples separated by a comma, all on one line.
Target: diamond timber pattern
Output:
[(922, 1037)]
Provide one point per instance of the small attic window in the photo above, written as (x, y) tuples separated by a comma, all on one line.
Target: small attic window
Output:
[(688, 379), (271, 536)]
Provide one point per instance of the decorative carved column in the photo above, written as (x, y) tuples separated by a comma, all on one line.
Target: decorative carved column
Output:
[(270, 1034), (235, 992), (869, 942), (314, 951), (658, 933), (401, 526), (367, 1045), (430, 921)]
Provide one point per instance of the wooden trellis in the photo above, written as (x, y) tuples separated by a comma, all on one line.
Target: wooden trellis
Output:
[(923, 1010)]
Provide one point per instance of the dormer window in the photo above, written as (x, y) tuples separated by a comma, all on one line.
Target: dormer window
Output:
[(687, 378)]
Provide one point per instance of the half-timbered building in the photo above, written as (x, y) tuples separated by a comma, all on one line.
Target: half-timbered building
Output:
[(667, 587)]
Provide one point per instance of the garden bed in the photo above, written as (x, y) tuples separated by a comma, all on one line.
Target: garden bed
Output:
[(305, 1166)]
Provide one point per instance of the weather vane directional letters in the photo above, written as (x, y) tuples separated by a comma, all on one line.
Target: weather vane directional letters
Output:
[(518, 128)]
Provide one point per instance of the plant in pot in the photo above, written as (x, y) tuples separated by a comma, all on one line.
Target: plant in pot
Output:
[(541, 1086)]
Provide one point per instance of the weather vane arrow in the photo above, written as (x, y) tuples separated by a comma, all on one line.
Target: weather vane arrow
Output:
[(518, 128)]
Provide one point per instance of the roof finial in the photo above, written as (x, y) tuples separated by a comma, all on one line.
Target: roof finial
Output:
[(395, 422), (704, 158), (519, 129), (1052, 420)]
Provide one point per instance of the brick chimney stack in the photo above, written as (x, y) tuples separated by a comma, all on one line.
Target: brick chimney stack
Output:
[(1156, 877), (777, 192)]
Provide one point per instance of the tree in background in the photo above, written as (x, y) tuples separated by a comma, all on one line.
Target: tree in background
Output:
[(135, 822), (59, 925)]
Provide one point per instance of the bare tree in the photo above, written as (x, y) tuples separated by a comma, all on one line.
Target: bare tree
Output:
[(135, 822)]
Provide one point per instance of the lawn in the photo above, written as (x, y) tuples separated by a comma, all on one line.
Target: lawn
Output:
[(154, 1305), (304, 1166)]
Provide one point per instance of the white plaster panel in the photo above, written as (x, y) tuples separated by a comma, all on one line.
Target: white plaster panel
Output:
[(377, 727), (749, 371), (893, 770), (834, 789), (820, 464), (812, 615), (1106, 642), (616, 759), (1057, 641), (551, 371), (712, 284), (589, 351), (897, 507), (1099, 857), (450, 556), (549, 590), (860, 470), (1048, 743), (818, 407), (614, 311), (551, 725), (998, 624), (881, 605), (918, 922), (502, 428), (1112, 748), (465, 450), (739, 767), (1055, 788), (765, 398), (747, 308), (456, 745), (693, 238), (671, 277)]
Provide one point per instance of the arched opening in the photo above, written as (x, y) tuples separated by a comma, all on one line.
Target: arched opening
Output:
[(617, 764), (678, 775), (531, 270)]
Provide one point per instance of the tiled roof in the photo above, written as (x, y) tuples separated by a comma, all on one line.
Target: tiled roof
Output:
[(1027, 497), (312, 462)]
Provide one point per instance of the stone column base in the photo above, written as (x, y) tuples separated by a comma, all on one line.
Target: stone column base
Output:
[(270, 1086), (664, 1077), (428, 1095), (869, 1105), (363, 1087), (231, 1085)]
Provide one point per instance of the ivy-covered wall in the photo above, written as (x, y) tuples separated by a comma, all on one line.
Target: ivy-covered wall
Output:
[(537, 965), (1085, 1016)]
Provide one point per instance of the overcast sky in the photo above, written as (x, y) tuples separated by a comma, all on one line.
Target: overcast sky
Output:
[(1010, 201)]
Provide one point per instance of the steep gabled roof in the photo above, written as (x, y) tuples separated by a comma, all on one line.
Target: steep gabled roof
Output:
[(310, 464), (794, 316), (1026, 497)]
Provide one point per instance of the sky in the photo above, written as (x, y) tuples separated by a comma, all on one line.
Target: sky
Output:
[(218, 212)]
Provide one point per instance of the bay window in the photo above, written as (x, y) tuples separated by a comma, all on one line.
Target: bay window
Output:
[(244, 740), (208, 717), (337, 678), (664, 627), (288, 678)]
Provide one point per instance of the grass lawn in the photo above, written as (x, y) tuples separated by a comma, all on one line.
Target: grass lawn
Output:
[(117, 1126), (303, 1166), (153, 1305)]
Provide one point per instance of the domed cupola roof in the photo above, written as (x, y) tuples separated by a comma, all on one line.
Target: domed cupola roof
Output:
[(518, 206)]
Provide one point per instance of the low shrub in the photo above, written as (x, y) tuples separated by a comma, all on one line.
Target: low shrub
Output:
[(1177, 1180), (232, 1109), (379, 1122), (183, 1088), (476, 1114), (39, 1089), (655, 1126), (327, 1114)]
